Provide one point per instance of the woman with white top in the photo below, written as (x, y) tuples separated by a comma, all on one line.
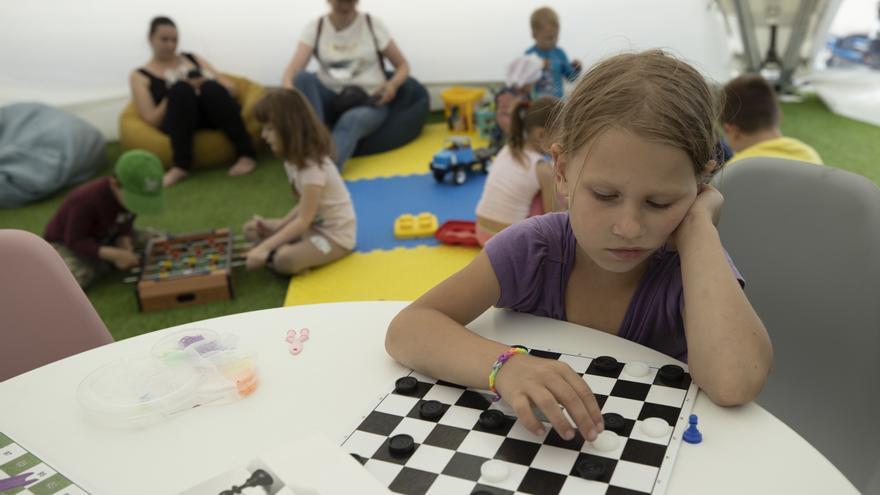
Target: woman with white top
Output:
[(351, 91)]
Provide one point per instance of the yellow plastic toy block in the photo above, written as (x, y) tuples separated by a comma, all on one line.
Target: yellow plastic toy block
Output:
[(409, 226)]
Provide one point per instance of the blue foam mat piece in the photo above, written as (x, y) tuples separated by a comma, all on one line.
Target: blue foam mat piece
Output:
[(378, 202)]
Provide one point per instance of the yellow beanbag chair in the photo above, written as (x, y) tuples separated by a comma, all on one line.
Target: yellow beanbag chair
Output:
[(211, 147)]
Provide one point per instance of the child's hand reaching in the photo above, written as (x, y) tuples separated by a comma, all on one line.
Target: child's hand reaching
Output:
[(525, 380), (256, 258), (125, 259), (266, 226)]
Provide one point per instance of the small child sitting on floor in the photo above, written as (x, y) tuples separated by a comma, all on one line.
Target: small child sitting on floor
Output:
[(321, 227), (93, 228)]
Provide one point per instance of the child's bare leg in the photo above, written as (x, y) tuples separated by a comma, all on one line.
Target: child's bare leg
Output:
[(312, 250)]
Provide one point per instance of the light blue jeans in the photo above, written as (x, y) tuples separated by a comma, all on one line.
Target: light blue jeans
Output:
[(348, 128)]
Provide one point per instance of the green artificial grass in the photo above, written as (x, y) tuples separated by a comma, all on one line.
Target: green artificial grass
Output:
[(841, 142), (211, 199)]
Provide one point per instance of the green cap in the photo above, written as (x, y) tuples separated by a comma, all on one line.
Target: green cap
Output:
[(140, 174)]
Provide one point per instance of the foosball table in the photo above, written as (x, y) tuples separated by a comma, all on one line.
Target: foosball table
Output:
[(187, 269)]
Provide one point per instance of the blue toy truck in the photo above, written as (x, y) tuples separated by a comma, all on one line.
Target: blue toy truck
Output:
[(457, 158), (856, 49)]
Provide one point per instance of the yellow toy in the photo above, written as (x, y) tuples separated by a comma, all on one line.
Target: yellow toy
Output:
[(459, 105), (409, 226)]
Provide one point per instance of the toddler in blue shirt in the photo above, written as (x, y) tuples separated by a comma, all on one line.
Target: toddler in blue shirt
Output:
[(545, 31)]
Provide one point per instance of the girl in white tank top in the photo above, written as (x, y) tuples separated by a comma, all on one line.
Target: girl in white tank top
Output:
[(520, 182)]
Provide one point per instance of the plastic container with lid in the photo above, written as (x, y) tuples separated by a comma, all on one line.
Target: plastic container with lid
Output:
[(193, 367)]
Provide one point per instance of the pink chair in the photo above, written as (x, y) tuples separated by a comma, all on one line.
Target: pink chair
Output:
[(45, 314)]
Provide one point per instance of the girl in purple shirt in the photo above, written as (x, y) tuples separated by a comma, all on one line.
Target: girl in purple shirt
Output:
[(636, 255)]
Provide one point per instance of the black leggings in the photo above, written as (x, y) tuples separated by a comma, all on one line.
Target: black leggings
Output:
[(212, 108)]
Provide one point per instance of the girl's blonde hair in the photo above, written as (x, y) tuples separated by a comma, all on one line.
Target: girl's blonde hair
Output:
[(303, 138), (526, 117), (649, 93)]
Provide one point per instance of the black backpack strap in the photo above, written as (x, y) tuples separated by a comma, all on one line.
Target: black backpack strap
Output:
[(376, 45), (318, 37)]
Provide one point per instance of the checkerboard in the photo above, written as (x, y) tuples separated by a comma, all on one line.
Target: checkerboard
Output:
[(450, 450)]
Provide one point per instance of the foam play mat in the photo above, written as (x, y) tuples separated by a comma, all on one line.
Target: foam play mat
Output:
[(410, 159), (378, 202), (383, 187), (401, 274)]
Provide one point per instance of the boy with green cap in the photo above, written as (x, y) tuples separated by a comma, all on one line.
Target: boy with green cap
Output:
[(92, 228)]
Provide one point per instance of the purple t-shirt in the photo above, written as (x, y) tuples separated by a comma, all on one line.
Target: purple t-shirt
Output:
[(533, 260)]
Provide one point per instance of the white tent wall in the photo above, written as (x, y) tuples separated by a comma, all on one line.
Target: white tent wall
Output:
[(78, 54)]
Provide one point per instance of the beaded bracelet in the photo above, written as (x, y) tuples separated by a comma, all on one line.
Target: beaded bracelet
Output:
[(497, 366)]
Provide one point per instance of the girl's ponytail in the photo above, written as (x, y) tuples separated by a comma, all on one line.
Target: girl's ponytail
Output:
[(517, 140)]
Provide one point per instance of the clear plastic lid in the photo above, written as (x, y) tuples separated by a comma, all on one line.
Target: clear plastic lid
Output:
[(193, 367)]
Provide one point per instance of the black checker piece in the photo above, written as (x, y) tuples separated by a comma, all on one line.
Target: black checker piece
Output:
[(605, 366)]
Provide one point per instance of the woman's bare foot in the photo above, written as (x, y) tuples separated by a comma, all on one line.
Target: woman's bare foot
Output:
[(173, 176), (243, 166)]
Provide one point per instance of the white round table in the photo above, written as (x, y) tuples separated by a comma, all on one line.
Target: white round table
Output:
[(342, 368)]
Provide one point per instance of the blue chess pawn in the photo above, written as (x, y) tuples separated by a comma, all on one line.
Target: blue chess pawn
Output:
[(692, 434)]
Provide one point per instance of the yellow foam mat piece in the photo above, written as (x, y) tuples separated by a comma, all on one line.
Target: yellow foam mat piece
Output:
[(406, 160), (401, 274)]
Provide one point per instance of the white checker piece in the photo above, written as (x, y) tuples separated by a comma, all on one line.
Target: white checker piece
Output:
[(607, 441), (615, 453), (494, 471), (636, 369), (515, 475), (638, 434), (649, 378)]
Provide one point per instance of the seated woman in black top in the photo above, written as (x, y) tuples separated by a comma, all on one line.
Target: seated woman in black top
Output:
[(181, 93)]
